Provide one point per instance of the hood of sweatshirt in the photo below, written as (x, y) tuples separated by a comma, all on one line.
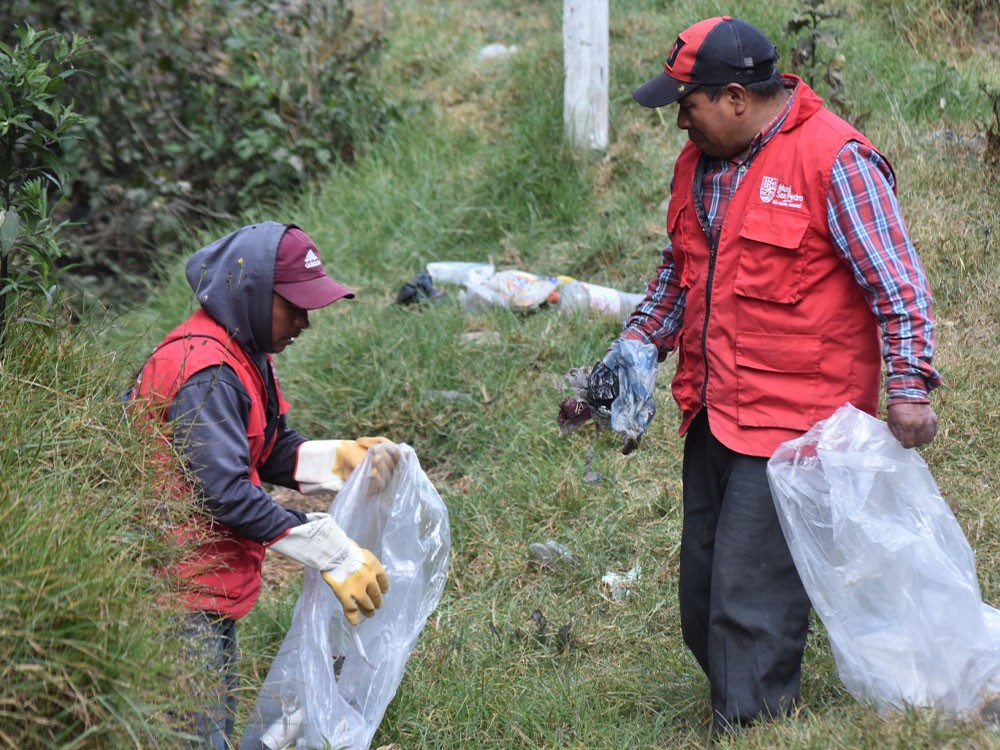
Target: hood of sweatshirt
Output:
[(233, 279)]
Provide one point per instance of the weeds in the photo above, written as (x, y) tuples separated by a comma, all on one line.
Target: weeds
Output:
[(86, 663)]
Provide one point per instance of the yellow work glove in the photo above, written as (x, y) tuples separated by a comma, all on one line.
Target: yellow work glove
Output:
[(350, 454), (356, 576), (358, 583), (324, 465)]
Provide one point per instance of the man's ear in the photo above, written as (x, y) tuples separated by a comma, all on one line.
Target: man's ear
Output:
[(737, 97)]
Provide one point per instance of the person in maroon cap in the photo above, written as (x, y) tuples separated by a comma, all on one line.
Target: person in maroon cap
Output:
[(211, 384), (788, 283)]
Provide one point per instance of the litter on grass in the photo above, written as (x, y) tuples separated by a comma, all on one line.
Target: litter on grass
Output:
[(418, 289), (494, 51), (484, 287), (550, 553), (621, 585)]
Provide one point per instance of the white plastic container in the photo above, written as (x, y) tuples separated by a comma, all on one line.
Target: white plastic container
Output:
[(459, 272), (581, 295)]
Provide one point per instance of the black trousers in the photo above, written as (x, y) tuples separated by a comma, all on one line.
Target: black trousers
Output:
[(744, 612)]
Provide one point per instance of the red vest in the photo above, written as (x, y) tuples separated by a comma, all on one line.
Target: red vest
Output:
[(221, 571), (777, 333)]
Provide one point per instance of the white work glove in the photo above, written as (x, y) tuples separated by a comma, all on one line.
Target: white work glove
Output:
[(324, 465), (356, 576)]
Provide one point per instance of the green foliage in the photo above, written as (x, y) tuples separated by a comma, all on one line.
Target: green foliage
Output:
[(199, 108), (35, 126), (86, 661), (816, 55)]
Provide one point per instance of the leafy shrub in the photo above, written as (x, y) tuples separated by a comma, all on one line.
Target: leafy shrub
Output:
[(199, 108), (34, 127)]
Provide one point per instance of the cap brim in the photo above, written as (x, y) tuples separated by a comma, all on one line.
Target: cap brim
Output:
[(314, 293), (662, 90)]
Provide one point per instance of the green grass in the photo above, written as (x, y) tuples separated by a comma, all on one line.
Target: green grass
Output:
[(478, 171), (82, 623)]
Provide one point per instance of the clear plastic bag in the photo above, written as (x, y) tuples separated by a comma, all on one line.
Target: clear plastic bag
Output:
[(887, 568), (303, 702)]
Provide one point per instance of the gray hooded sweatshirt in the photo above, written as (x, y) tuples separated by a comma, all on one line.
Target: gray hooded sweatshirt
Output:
[(233, 279)]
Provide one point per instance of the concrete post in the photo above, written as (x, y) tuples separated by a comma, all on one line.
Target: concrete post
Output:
[(585, 62)]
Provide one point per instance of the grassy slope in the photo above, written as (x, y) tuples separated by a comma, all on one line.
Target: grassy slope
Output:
[(479, 172)]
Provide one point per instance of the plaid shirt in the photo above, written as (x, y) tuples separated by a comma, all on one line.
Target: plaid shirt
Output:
[(868, 232)]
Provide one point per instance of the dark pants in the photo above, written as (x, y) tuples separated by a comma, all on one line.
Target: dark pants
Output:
[(212, 640), (744, 612)]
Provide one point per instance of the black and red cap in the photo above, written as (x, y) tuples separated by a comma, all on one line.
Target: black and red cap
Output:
[(713, 52)]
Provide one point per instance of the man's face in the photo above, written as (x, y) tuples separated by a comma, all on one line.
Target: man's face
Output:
[(287, 322), (710, 125)]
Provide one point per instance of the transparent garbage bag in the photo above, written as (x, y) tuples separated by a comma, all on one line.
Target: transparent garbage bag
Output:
[(887, 568), (305, 702)]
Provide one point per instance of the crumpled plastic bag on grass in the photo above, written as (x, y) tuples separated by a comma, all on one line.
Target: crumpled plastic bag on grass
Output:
[(517, 290), (633, 408), (302, 703), (887, 568)]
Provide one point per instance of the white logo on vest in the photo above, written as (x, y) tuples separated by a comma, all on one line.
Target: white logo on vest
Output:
[(771, 190), (768, 187)]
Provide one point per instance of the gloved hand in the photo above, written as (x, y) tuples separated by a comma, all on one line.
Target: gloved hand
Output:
[(358, 582), (356, 576), (324, 465), (350, 454)]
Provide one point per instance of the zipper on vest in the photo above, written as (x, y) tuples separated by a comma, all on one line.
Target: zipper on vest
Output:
[(713, 247), (713, 251)]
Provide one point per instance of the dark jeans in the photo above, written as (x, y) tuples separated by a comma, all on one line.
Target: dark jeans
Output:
[(212, 640), (744, 612)]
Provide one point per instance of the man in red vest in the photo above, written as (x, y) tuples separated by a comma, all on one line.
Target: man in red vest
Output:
[(212, 386), (788, 282)]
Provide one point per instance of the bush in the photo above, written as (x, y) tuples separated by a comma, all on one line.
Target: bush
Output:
[(197, 108), (34, 127)]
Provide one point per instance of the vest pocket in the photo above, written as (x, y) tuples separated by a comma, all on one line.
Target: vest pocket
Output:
[(777, 378), (679, 231), (772, 262)]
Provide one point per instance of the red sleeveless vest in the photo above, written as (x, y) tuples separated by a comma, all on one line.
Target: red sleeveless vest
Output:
[(777, 333), (221, 571)]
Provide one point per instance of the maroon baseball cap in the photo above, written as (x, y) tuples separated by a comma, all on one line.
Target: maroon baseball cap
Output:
[(299, 276), (713, 52)]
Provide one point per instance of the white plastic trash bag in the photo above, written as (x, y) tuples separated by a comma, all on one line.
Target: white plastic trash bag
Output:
[(887, 568), (302, 703)]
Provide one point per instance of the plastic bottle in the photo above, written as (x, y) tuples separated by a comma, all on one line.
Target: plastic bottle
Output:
[(580, 295), (459, 272)]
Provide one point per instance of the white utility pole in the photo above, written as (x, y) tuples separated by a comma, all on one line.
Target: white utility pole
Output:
[(585, 61)]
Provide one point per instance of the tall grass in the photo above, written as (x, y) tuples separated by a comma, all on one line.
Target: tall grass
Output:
[(87, 663), (519, 655)]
